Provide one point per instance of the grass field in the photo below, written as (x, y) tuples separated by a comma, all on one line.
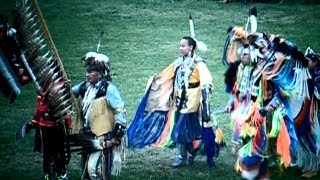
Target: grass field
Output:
[(141, 38)]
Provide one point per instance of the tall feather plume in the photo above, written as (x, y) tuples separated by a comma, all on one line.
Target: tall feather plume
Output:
[(201, 45)]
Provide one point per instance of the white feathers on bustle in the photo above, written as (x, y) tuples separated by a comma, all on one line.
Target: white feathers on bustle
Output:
[(40, 53), (308, 51), (255, 54)]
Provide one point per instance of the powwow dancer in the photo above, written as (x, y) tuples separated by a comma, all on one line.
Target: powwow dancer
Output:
[(280, 67), (237, 80), (176, 107), (307, 121), (103, 117)]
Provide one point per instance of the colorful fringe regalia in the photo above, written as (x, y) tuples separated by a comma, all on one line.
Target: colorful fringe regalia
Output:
[(307, 122), (168, 113), (269, 135)]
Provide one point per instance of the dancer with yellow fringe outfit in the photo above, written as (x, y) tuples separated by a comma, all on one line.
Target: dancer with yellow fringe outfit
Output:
[(103, 116), (176, 108), (177, 115)]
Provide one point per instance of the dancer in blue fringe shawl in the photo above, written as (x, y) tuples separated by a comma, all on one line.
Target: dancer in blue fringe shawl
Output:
[(175, 108)]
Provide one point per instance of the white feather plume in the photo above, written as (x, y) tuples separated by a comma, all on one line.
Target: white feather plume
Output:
[(201, 45)]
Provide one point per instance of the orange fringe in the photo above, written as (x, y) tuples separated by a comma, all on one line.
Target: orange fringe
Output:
[(302, 114), (196, 144), (276, 67), (283, 144), (232, 55)]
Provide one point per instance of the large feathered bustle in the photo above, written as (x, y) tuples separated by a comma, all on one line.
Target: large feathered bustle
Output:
[(42, 57)]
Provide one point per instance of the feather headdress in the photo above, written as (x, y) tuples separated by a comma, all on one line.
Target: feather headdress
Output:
[(97, 62)]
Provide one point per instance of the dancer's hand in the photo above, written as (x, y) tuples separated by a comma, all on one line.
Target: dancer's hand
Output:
[(228, 109), (269, 108), (107, 143)]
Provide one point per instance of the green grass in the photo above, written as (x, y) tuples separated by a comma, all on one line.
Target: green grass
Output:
[(141, 38)]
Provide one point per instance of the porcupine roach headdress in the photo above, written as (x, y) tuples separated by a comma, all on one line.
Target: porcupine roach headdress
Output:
[(39, 55)]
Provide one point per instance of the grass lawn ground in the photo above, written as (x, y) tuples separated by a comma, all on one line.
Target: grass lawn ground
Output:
[(141, 38)]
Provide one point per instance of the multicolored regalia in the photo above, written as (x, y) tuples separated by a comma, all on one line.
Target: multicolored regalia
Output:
[(267, 127), (307, 120), (175, 107)]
